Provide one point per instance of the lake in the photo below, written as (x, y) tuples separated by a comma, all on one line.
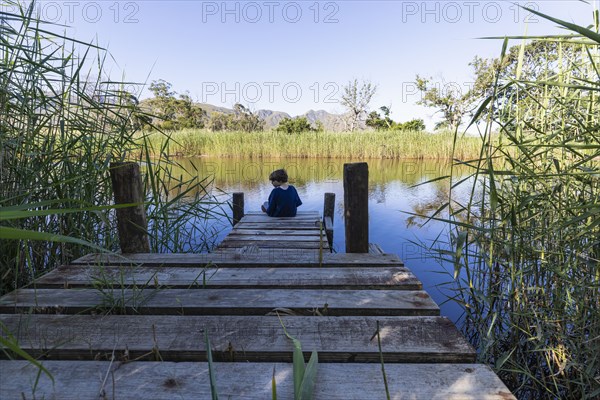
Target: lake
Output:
[(394, 193)]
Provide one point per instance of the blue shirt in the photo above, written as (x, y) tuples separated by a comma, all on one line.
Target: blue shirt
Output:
[(283, 203)]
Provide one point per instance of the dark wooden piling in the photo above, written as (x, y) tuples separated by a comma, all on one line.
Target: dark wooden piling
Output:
[(131, 221), (356, 207), (328, 210), (238, 207)]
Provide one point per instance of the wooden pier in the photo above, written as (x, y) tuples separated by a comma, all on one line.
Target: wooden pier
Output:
[(131, 326)]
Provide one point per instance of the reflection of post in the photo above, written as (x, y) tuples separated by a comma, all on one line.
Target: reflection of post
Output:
[(238, 207), (131, 221), (328, 209), (356, 207)]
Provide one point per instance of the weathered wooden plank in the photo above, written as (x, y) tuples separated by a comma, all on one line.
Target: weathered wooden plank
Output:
[(277, 225), (271, 257), (398, 278), (282, 225), (274, 232), (280, 238), (274, 255), (298, 213), (288, 220), (268, 244), (75, 380), (240, 338), (219, 301)]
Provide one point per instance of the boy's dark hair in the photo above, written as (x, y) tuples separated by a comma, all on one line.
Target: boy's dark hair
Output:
[(279, 175)]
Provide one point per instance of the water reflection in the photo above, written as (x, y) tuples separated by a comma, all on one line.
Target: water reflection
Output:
[(250, 174), (394, 191)]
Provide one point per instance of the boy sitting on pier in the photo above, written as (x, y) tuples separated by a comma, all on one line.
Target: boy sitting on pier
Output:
[(283, 199)]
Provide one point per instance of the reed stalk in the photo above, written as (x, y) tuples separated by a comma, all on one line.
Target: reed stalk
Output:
[(356, 145), (63, 120), (526, 244)]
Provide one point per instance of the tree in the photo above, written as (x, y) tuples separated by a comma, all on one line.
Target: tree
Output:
[(389, 123), (356, 99), (219, 122), (245, 120), (374, 120), (188, 114), (448, 99), (541, 61), (412, 125), (161, 89), (242, 119), (295, 125), (171, 112)]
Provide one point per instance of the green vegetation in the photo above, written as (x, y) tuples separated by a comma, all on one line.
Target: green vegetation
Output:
[(305, 375), (376, 121), (249, 175), (211, 368), (166, 112), (526, 246), (296, 125), (60, 129), (364, 145), (242, 120), (449, 99), (454, 102), (169, 112)]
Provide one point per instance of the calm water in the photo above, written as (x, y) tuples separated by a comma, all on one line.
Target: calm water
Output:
[(393, 193)]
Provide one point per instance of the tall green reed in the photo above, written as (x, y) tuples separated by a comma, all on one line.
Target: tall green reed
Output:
[(526, 246), (63, 120), (357, 145)]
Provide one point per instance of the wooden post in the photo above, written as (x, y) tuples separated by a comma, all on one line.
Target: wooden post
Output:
[(356, 207), (328, 210), (238, 207), (131, 221)]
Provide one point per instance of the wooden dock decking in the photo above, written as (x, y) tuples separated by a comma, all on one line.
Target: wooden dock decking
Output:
[(132, 326)]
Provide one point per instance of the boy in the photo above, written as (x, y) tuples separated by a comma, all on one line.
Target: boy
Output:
[(283, 199)]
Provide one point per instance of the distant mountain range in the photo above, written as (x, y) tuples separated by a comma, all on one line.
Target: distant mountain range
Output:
[(331, 122)]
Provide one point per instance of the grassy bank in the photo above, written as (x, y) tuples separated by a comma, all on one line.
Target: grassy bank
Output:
[(365, 145)]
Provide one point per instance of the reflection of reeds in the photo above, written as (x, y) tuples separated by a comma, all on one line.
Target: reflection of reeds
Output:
[(246, 174), (526, 245), (62, 121), (356, 145)]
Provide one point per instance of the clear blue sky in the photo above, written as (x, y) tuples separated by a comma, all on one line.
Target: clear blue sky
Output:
[(295, 56)]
